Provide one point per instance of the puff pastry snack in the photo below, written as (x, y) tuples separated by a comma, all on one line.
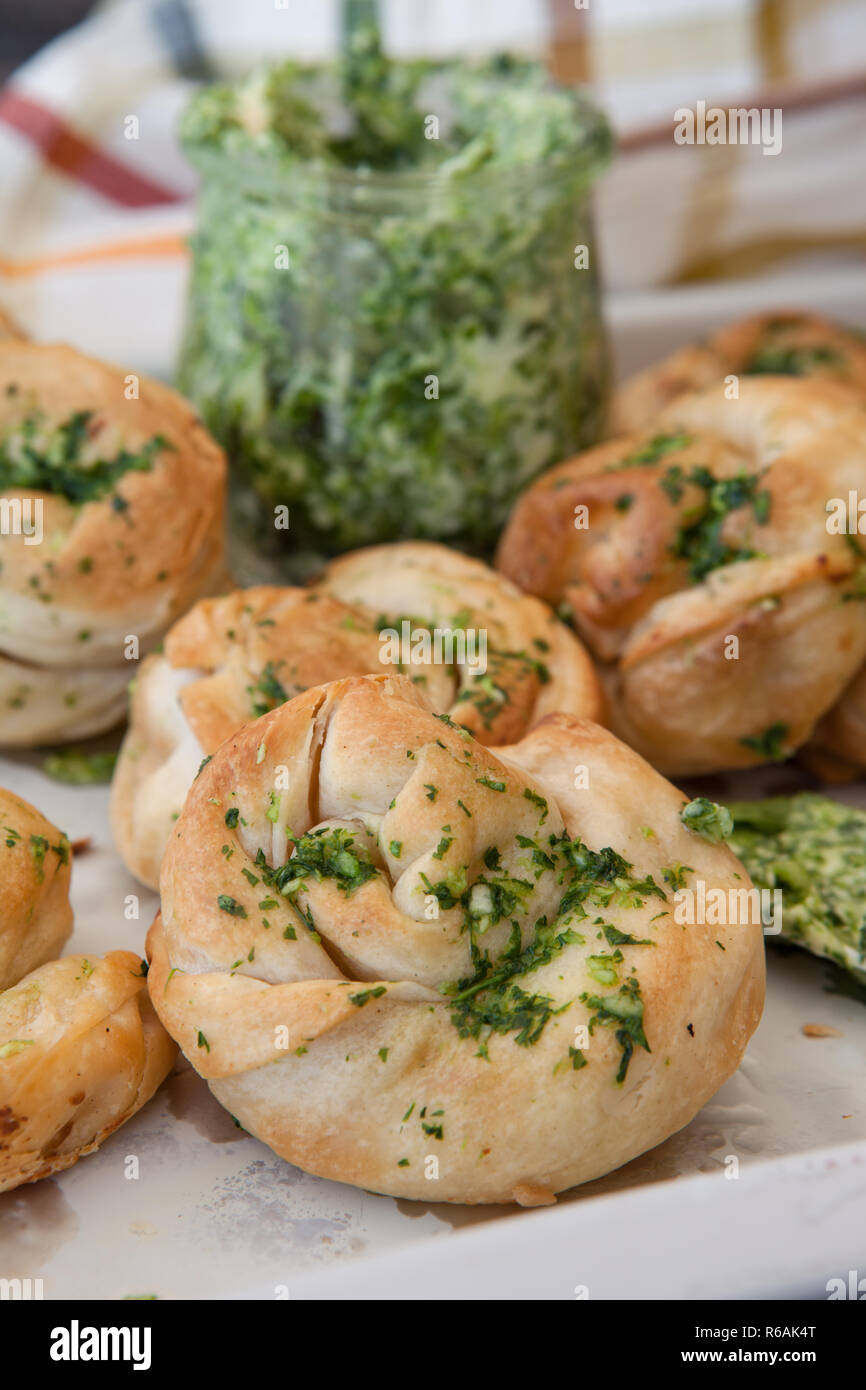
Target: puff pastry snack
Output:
[(412, 963), (35, 865), (81, 1050), (224, 663), (729, 617), (131, 496), (779, 344), (232, 659)]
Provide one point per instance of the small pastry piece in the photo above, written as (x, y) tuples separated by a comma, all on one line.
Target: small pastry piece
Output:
[(779, 344), (232, 659), (35, 864), (419, 965), (114, 497), (706, 570), (81, 1050)]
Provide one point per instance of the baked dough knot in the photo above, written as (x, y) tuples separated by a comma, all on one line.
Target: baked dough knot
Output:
[(81, 1050), (116, 495), (495, 659), (786, 343), (390, 949), (35, 867), (700, 561)]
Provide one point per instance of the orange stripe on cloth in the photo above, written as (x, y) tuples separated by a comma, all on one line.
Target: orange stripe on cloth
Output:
[(69, 152), (167, 247)]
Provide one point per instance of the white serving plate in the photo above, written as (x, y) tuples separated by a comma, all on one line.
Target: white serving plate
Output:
[(214, 1214)]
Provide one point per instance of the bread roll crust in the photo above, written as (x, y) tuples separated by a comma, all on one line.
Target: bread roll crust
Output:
[(771, 576), (35, 865), (809, 344), (230, 659), (323, 1026), (119, 558), (81, 1050)]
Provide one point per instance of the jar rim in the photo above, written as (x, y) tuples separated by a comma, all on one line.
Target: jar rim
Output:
[(270, 172)]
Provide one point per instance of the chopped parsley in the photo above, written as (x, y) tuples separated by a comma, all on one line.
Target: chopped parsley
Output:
[(267, 692), (699, 540), (791, 361), (655, 449), (366, 995), (231, 906), (323, 854), (49, 459), (491, 782), (707, 819), (623, 1012), (770, 745)]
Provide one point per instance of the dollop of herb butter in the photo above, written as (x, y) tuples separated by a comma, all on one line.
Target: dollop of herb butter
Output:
[(79, 768), (814, 850)]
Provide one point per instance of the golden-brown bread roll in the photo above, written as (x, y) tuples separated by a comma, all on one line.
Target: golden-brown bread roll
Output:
[(437, 970), (789, 343), (81, 1050), (707, 576), (130, 495), (35, 913), (231, 659)]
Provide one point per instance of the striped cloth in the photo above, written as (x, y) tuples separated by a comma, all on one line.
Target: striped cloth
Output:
[(97, 199)]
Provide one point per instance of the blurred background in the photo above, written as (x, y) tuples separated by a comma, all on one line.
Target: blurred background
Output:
[(92, 224)]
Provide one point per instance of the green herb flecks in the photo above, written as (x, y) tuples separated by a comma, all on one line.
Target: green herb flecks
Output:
[(322, 854), (769, 745), (623, 1012), (230, 905), (365, 995), (599, 878), (791, 361), (37, 456), (267, 692), (77, 768), (699, 540), (655, 449), (707, 819)]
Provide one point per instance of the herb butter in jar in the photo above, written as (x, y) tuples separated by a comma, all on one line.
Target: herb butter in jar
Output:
[(391, 326)]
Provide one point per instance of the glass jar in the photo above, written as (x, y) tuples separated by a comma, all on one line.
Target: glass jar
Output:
[(395, 354)]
